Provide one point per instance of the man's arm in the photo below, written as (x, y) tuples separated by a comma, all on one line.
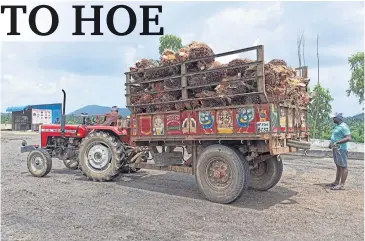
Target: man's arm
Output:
[(344, 140)]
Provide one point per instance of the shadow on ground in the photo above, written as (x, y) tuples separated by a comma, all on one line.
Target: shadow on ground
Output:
[(184, 185)]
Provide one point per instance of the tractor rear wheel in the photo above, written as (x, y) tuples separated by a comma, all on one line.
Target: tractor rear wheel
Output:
[(39, 162), (101, 156)]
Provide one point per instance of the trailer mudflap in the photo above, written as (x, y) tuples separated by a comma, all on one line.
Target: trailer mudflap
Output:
[(167, 158)]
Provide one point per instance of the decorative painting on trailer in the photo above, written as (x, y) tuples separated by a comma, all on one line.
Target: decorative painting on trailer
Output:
[(283, 119), (145, 125), (207, 122), (134, 125), (262, 119), (158, 125), (274, 116), (290, 119), (244, 122), (224, 122), (173, 124), (189, 125)]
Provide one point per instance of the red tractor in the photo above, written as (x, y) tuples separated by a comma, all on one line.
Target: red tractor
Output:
[(101, 152)]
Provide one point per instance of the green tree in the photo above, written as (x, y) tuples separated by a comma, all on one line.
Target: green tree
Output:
[(319, 111), (356, 82), (169, 41)]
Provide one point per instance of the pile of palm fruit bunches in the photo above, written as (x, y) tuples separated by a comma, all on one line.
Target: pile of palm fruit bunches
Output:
[(217, 88)]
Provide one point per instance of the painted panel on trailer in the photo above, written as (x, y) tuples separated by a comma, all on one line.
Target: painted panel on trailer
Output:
[(207, 124), (303, 120), (134, 125), (193, 120), (262, 113), (189, 125), (274, 117), (145, 125), (173, 124), (262, 119), (283, 111), (158, 125), (290, 120), (225, 121), (296, 117), (244, 120)]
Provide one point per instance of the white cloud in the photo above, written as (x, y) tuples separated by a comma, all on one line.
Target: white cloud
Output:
[(235, 28), (257, 42), (336, 80), (340, 51), (272, 24), (187, 38), (242, 27), (40, 86), (349, 14), (266, 24), (130, 56)]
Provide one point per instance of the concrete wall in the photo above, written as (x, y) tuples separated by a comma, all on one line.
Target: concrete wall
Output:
[(6, 126)]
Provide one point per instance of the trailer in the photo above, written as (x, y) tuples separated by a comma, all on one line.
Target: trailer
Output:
[(229, 148)]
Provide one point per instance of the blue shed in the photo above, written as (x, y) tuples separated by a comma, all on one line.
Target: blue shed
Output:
[(23, 114)]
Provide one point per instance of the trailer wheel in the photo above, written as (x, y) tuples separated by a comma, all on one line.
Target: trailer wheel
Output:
[(101, 156), (267, 174), (71, 164), (221, 175), (39, 162)]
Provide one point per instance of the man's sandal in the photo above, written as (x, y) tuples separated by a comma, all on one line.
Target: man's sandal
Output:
[(331, 185), (338, 187)]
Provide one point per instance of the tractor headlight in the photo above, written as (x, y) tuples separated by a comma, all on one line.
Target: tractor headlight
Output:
[(24, 143)]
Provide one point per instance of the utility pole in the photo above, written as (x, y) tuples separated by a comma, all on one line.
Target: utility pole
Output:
[(303, 43), (299, 43), (317, 58)]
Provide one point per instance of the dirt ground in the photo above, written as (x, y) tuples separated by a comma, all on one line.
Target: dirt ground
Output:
[(155, 205)]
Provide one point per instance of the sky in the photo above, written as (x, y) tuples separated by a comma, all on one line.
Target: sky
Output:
[(91, 68)]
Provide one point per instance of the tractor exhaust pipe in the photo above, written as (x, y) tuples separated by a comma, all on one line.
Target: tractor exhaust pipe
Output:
[(63, 118)]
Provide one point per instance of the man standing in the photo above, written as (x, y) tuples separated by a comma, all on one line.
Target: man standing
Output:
[(340, 136)]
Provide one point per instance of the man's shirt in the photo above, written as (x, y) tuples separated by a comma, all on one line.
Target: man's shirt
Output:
[(339, 132)]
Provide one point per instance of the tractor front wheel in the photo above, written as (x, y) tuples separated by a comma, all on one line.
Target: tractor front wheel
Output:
[(101, 156), (39, 162)]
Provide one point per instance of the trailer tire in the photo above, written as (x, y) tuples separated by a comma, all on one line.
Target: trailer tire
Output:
[(39, 162), (267, 175), (71, 164), (127, 169), (101, 166), (228, 164)]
